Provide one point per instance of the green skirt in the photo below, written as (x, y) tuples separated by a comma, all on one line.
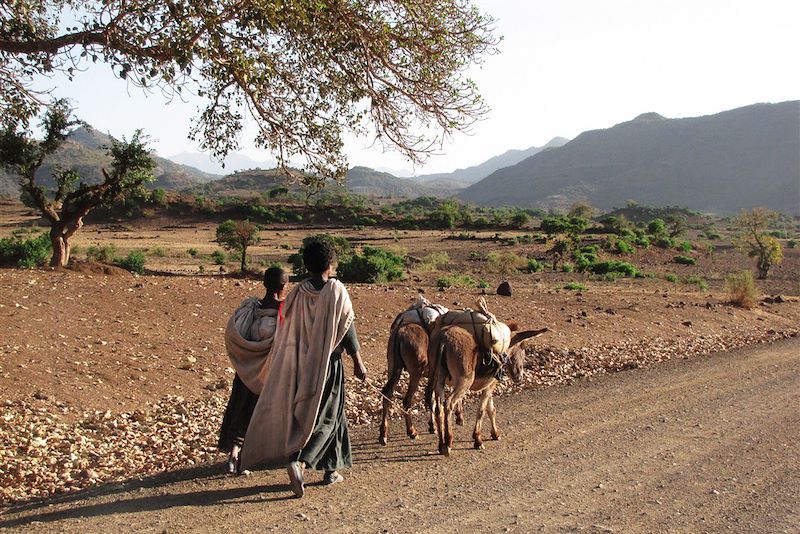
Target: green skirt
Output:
[(329, 446)]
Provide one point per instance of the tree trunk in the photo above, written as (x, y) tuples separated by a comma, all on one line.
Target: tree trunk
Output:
[(60, 235), (60, 255), (244, 258)]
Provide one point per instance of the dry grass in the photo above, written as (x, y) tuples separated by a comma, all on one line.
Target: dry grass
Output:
[(741, 289)]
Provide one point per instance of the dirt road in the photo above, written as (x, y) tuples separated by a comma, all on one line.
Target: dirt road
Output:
[(707, 444)]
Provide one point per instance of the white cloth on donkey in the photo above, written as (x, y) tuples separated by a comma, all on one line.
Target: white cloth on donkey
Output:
[(315, 322), (248, 339), (421, 312)]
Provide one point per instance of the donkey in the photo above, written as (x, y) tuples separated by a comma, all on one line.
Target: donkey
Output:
[(407, 349), (456, 359)]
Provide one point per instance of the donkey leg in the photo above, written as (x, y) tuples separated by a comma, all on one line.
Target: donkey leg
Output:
[(477, 441), (460, 389), (460, 413), (492, 413), (413, 385), (388, 392)]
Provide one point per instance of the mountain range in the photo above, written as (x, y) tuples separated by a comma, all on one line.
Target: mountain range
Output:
[(722, 163), (470, 175)]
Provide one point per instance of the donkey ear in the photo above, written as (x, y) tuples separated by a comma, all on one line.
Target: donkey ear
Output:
[(519, 337), (513, 325)]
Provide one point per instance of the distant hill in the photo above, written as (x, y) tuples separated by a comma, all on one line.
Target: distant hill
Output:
[(84, 151), (234, 162), (470, 175), (733, 160), (360, 180)]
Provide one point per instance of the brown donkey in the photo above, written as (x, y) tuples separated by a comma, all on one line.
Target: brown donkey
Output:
[(456, 359), (407, 349)]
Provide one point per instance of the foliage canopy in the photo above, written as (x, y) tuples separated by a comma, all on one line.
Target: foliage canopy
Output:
[(305, 70)]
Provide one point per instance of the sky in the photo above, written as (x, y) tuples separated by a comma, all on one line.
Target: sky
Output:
[(564, 67)]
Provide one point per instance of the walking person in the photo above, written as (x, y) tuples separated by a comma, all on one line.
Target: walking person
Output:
[(248, 339), (299, 420)]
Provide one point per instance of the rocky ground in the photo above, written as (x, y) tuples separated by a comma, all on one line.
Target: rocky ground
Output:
[(112, 378)]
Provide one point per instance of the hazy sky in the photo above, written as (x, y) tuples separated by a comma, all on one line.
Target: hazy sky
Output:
[(565, 66)]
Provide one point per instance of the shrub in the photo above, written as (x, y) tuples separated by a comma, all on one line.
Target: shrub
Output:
[(741, 289), (614, 267), (434, 261), (657, 227), (456, 280), (671, 278), (583, 261), (24, 249), (642, 241), (684, 246), (623, 247), (218, 257), (696, 280), (373, 265), (158, 197), (792, 243), (483, 284), (711, 234), (684, 260), (505, 262), (192, 252), (567, 267), (133, 262), (664, 242), (157, 251), (106, 253), (534, 265), (575, 286)]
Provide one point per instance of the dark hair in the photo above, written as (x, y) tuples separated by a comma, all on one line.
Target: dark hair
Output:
[(318, 256), (274, 278)]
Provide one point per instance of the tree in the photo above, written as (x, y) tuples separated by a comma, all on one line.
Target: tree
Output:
[(237, 236), (752, 236), (305, 70), (677, 225), (66, 207), (581, 209)]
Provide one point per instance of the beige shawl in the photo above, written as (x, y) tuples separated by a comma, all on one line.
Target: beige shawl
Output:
[(315, 322), (248, 339)]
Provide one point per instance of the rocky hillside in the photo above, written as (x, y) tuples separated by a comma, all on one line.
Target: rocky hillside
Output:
[(84, 150), (721, 163), (473, 174)]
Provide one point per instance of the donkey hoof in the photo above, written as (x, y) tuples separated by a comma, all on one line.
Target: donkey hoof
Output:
[(460, 421), (444, 451), (412, 436), (496, 437), (479, 446), (431, 430), (383, 441)]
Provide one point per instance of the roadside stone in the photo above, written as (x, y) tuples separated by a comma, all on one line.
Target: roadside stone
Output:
[(504, 289)]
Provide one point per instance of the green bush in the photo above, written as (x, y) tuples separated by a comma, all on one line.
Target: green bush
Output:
[(583, 261), (567, 267), (218, 257), (534, 265), (105, 253), (614, 267), (341, 245), (623, 247), (483, 284), (25, 249), (664, 242), (373, 265), (792, 243), (158, 197), (575, 286), (711, 234), (684, 246), (684, 260), (657, 227), (696, 280), (741, 289), (192, 252), (133, 262), (671, 278)]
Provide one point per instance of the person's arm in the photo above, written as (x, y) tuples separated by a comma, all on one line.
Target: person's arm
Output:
[(351, 345)]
